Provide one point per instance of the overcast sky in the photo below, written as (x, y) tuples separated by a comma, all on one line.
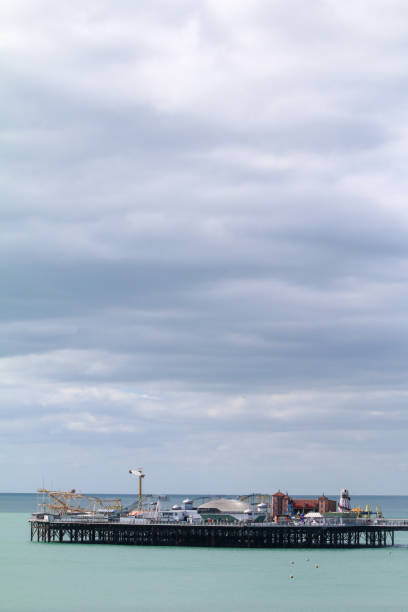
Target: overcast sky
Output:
[(204, 245)]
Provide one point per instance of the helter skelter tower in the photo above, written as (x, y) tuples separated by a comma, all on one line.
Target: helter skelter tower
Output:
[(344, 503)]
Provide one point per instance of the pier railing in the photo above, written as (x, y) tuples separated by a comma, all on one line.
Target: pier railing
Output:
[(395, 524)]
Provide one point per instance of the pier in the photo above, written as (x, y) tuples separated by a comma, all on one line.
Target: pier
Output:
[(227, 535)]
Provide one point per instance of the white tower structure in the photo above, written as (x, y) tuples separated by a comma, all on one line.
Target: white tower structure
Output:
[(140, 475), (344, 503)]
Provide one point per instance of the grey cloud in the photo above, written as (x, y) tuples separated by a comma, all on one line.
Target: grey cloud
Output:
[(216, 217)]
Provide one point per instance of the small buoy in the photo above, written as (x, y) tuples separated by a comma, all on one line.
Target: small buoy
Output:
[(292, 563), (390, 553), (291, 576), (307, 558), (317, 565)]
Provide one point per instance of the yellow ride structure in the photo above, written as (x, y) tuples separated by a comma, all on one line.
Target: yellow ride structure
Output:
[(71, 502)]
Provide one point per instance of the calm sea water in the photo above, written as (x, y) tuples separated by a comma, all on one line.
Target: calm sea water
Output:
[(61, 578)]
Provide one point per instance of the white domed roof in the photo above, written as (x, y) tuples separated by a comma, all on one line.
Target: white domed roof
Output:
[(230, 506)]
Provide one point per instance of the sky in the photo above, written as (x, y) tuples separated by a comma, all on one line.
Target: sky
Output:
[(204, 245)]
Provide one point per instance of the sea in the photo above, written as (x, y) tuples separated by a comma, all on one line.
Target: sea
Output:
[(39, 577)]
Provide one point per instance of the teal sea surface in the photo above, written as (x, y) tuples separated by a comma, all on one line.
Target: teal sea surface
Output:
[(74, 577)]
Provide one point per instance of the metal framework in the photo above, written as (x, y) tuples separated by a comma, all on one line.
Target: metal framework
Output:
[(243, 536), (71, 502)]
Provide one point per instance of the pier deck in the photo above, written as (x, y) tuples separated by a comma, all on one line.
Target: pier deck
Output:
[(242, 536)]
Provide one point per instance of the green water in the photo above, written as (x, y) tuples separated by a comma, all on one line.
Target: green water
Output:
[(72, 577)]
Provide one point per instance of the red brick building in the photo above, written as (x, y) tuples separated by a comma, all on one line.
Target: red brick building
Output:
[(326, 504), (282, 501)]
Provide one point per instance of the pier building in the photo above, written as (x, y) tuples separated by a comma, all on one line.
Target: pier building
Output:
[(284, 505), (231, 511)]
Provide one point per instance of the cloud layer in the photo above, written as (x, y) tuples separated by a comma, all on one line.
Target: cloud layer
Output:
[(204, 245)]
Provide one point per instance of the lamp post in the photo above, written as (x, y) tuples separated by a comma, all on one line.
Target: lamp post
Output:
[(140, 475)]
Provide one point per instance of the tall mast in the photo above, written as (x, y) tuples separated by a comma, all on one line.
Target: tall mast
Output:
[(140, 475)]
